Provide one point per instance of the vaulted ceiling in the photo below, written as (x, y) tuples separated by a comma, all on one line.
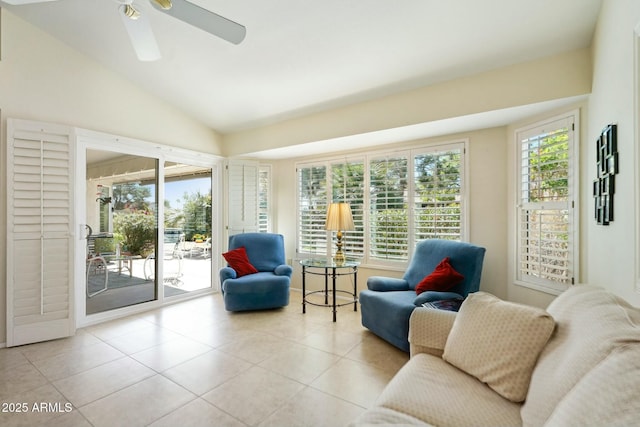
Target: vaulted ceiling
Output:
[(301, 56)]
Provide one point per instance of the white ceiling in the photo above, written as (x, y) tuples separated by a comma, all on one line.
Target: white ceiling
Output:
[(302, 56)]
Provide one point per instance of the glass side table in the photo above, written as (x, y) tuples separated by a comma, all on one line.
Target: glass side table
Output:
[(328, 268)]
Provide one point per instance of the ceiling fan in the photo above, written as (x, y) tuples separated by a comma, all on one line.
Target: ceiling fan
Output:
[(140, 32)]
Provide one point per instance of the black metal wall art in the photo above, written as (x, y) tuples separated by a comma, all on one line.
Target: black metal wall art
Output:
[(607, 164)]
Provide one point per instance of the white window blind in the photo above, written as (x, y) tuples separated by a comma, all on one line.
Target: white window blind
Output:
[(396, 199), (264, 199), (242, 177), (388, 210), (545, 212), (437, 201), (347, 185), (312, 209)]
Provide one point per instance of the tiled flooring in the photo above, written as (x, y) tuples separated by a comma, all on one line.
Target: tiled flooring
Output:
[(195, 364)]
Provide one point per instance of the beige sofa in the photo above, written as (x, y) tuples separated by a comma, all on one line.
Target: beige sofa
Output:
[(502, 364)]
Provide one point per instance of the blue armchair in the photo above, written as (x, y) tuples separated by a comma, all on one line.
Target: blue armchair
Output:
[(269, 287), (388, 302)]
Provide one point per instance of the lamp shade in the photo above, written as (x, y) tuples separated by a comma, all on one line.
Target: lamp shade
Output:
[(339, 217)]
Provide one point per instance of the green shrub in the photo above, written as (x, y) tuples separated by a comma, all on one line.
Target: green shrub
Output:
[(138, 230)]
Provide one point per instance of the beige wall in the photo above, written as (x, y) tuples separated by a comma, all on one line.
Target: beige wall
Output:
[(550, 78), (487, 182), (42, 79), (611, 255)]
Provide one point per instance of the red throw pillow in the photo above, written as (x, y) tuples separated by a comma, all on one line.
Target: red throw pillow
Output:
[(238, 260), (443, 278)]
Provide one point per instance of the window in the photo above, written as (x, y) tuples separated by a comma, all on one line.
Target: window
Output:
[(104, 209), (264, 199), (388, 208), (312, 208), (545, 211), (347, 185), (396, 198), (437, 196)]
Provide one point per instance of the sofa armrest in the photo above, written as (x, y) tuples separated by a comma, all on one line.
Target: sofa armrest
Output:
[(227, 273), (384, 284), (283, 270), (429, 329)]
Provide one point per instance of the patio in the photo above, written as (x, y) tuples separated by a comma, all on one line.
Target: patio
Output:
[(124, 288)]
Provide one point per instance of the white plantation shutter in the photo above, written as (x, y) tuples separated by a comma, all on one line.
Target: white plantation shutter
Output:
[(388, 213), (397, 198), (438, 195), (39, 237), (312, 209), (264, 199), (347, 185), (546, 247), (243, 187)]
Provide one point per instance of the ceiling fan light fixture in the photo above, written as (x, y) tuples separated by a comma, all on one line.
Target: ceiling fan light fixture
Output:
[(163, 4), (130, 12)]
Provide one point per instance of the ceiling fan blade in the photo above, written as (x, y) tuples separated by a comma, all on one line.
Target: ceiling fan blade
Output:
[(141, 35), (205, 20), (21, 2)]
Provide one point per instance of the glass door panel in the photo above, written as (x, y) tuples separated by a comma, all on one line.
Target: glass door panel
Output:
[(122, 229), (188, 238)]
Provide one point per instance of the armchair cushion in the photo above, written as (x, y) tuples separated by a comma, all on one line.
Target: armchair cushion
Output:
[(238, 260), (498, 342), (442, 278)]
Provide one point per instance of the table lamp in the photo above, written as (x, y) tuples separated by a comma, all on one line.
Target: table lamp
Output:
[(339, 218)]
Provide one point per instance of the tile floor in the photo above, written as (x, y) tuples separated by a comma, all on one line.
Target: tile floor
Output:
[(195, 364)]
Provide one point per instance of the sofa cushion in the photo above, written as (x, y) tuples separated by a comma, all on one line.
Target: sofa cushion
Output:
[(613, 385), (442, 278), (591, 324), (498, 342), (238, 260), (431, 390)]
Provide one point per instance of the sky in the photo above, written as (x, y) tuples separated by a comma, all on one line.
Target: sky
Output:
[(174, 190)]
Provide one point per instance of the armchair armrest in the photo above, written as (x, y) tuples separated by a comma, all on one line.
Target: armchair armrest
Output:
[(384, 284), (429, 329), (227, 273), (283, 270)]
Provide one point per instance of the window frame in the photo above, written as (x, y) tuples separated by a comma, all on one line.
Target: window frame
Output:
[(570, 205), (366, 157)]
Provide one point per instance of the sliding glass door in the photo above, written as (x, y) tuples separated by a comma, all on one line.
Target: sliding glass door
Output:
[(131, 256)]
